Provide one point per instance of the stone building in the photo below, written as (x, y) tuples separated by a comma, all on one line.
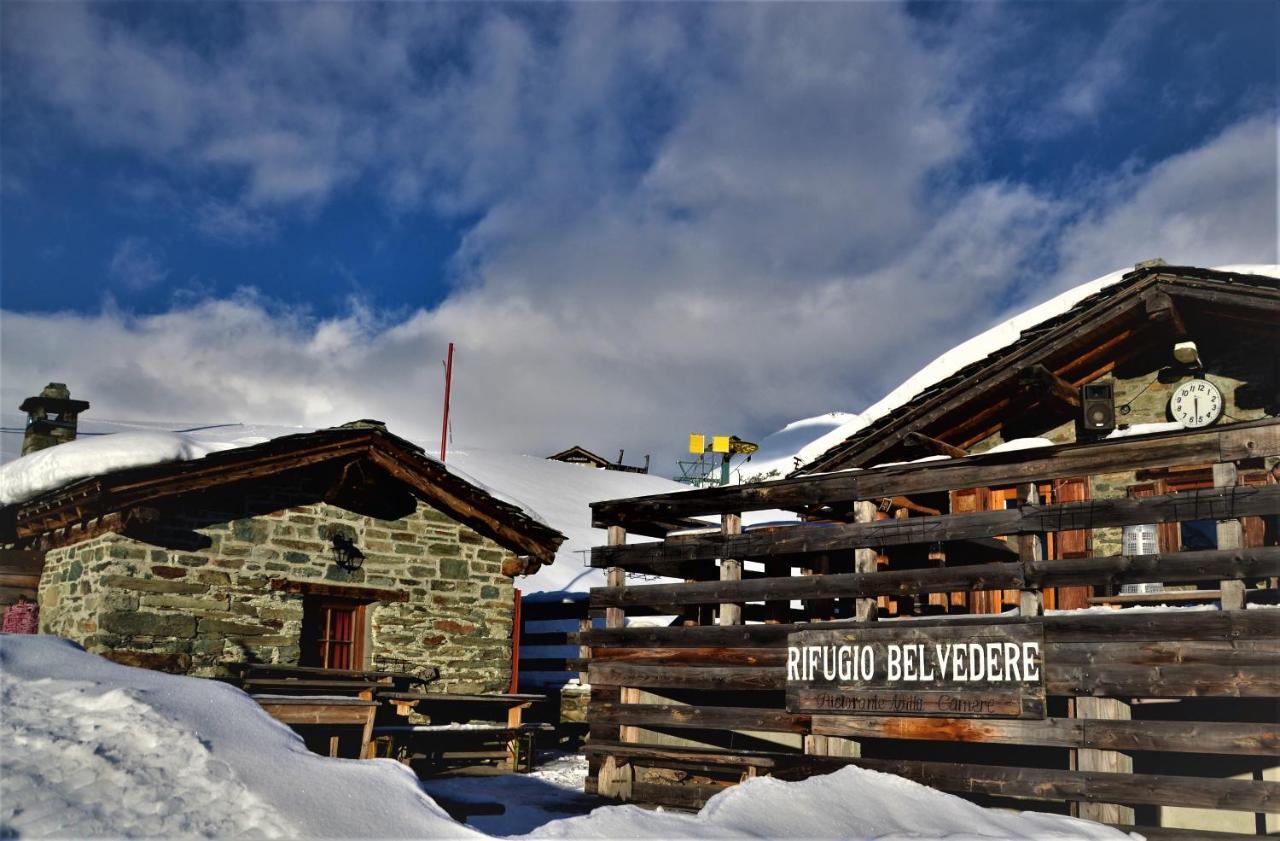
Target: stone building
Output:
[(1119, 361), (346, 548)]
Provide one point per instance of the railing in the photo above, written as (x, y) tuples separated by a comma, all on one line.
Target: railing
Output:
[(1145, 712)]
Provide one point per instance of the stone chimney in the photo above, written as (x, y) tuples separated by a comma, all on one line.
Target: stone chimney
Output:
[(51, 418)]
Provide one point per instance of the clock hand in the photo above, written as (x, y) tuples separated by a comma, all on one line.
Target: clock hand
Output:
[(1195, 407)]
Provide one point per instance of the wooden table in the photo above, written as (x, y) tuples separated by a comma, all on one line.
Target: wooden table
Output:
[(444, 709), (334, 711)]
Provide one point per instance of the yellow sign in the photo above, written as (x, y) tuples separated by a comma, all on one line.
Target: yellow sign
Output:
[(697, 443), (720, 443)]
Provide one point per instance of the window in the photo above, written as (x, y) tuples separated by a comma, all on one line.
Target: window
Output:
[(332, 633)]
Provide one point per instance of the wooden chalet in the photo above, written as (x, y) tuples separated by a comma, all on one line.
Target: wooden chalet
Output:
[(840, 639), (583, 456)]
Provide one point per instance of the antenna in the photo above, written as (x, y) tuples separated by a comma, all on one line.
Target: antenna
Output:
[(448, 382)]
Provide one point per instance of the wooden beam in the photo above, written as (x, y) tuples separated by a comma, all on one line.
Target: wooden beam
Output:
[(1099, 734), (933, 445), (1048, 387), (1091, 628), (996, 780), (808, 539), (1251, 439), (1124, 680), (1161, 309), (345, 591), (682, 716)]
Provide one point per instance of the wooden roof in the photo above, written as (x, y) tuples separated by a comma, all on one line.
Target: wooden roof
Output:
[(1148, 306), (580, 454), (120, 496)]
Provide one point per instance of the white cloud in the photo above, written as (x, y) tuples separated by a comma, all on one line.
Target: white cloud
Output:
[(137, 264), (1212, 205), (713, 218), (232, 223)]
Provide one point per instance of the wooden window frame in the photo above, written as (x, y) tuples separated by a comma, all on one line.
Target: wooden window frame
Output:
[(319, 619)]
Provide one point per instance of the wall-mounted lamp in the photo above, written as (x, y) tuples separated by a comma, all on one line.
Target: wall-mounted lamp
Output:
[(345, 553), (1186, 353)]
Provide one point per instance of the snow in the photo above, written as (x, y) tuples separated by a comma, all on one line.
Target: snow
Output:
[(788, 444), (93, 749), (1018, 444), (54, 467), (97, 749), (779, 451), (1144, 429), (1102, 609), (552, 492)]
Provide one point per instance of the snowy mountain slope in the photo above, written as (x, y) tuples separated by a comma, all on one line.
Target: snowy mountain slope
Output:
[(963, 354), (93, 749)]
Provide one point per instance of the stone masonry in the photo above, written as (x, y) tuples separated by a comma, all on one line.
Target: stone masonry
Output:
[(197, 594)]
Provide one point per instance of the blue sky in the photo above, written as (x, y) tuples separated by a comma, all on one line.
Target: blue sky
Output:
[(635, 220)]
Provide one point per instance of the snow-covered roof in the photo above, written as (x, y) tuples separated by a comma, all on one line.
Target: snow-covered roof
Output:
[(973, 350), (552, 492)]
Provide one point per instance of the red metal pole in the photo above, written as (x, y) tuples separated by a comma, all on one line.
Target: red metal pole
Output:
[(448, 381)]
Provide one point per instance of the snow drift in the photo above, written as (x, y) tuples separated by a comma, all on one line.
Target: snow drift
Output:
[(93, 749)]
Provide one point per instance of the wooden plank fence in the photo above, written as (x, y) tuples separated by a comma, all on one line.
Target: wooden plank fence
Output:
[(1143, 710)]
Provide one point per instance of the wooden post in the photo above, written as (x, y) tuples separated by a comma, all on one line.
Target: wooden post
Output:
[(1030, 601), (615, 577), (864, 560), (1230, 536), (584, 651), (730, 570), (613, 779), (627, 733), (777, 611), (1103, 760)]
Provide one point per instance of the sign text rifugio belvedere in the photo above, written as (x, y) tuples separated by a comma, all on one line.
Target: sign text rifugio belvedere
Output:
[(963, 671)]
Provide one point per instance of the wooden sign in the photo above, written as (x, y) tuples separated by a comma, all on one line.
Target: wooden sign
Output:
[(958, 671)]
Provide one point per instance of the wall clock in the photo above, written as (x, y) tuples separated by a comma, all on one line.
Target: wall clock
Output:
[(1196, 403)]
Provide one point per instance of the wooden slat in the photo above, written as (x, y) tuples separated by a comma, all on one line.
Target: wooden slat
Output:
[(1179, 736), (1205, 565), (1026, 783), (693, 677), (1246, 440), (1210, 503), (1111, 626), (700, 717), (1179, 681), (1188, 681)]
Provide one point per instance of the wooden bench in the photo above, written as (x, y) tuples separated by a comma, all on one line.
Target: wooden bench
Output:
[(330, 715), (502, 712), (439, 738), (324, 705)]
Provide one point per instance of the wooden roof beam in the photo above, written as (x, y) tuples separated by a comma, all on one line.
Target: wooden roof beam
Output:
[(1048, 387), (933, 445), (1161, 309)]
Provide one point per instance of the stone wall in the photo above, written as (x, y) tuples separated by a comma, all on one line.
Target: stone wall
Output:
[(197, 594)]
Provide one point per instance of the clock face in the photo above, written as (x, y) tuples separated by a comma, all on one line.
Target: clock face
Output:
[(1196, 403)]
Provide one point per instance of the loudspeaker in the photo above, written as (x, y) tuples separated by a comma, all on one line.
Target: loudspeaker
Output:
[(1098, 403)]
